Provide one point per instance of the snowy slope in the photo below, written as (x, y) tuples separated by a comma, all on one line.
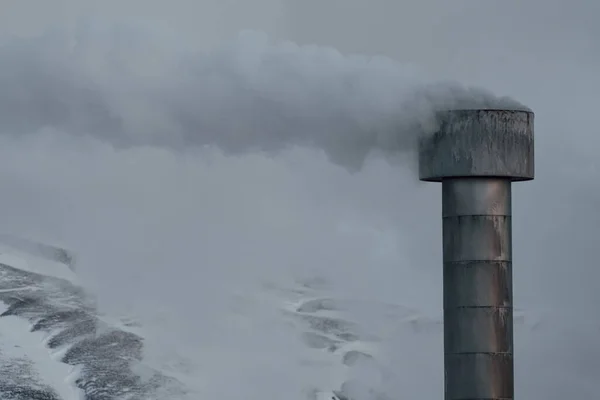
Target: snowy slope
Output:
[(60, 348), (53, 344), (347, 338), (343, 338), (27, 369)]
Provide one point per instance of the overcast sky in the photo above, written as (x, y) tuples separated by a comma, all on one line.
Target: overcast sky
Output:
[(262, 212)]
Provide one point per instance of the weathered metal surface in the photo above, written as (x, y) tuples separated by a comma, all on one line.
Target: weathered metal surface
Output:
[(478, 323), (478, 283), (476, 237), (464, 197), (469, 143), (479, 376), (483, 329)]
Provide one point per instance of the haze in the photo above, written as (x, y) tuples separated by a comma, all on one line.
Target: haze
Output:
[(178, 238)]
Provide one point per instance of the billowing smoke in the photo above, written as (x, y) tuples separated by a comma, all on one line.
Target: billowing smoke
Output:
[(128, 87)]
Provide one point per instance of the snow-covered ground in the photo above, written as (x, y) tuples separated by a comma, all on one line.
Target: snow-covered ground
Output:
[(28, 367), (55, 345)]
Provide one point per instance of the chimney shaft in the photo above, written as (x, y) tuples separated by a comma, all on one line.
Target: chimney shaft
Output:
[(477, 154)]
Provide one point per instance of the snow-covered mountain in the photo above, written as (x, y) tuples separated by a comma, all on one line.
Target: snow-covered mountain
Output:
[(55, 345)]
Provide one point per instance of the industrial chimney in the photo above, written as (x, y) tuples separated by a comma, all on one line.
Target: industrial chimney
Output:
[(477, 154)]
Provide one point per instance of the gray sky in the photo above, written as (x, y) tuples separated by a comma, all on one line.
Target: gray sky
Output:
[(132, 215)]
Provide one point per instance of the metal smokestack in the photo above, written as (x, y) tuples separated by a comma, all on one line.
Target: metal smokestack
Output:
[(477, 154)]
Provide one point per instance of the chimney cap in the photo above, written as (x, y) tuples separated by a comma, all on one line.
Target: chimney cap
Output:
[(478, 143)]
